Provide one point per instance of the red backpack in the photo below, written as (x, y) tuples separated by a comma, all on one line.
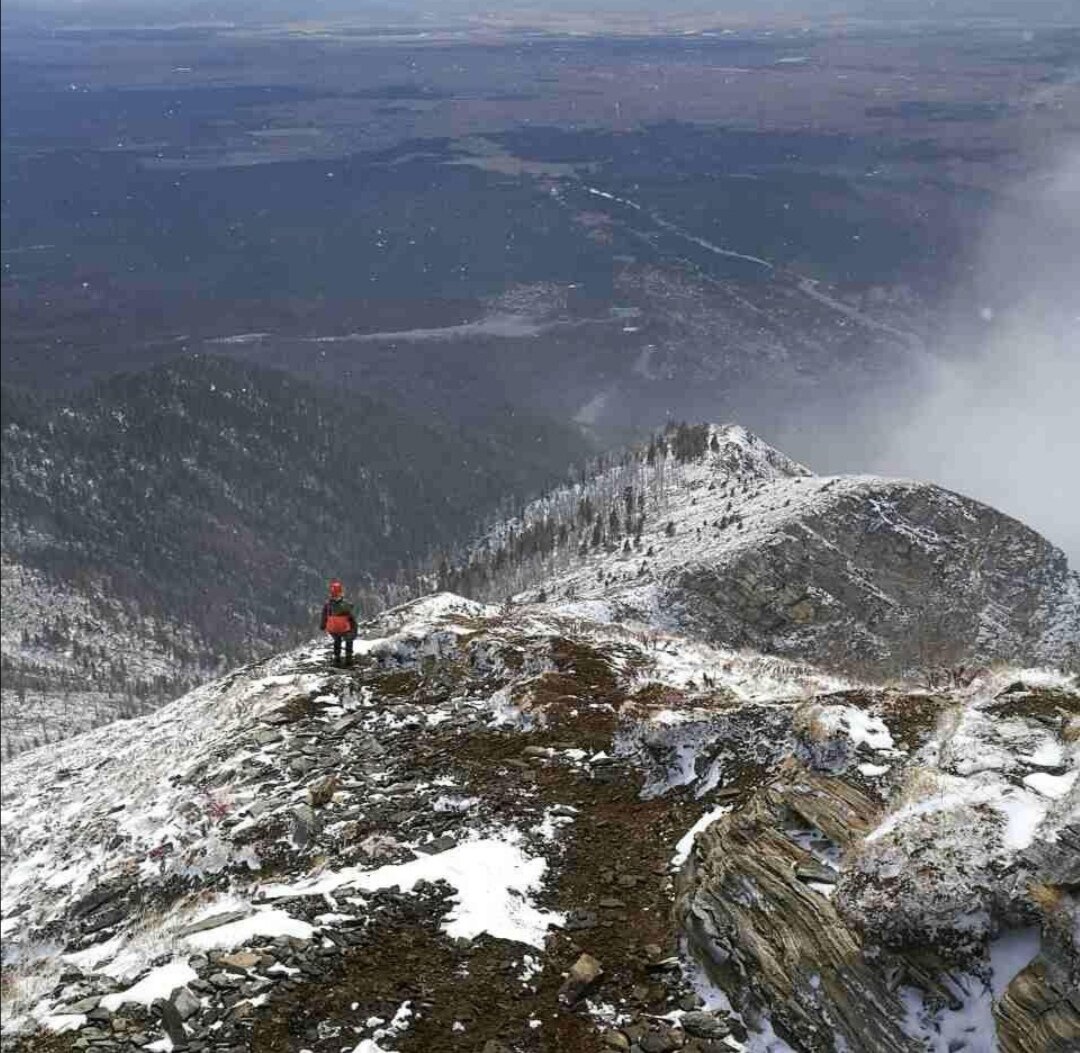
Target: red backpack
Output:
[(338, 618)]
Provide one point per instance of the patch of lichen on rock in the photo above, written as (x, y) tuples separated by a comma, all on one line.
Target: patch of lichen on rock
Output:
[(400, 684)]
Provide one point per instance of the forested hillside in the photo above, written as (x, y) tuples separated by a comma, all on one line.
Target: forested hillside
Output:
[(193, 513)]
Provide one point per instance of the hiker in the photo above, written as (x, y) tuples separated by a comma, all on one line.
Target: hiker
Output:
[(339, 621)]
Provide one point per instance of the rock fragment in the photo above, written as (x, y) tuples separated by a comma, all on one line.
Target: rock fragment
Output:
[(584, 974), (321, 791), (174, 1026), (303, 827), (700, 1024), (185, 1002)]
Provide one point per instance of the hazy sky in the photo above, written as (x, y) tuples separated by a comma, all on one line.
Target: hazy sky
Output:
[(999, 416)]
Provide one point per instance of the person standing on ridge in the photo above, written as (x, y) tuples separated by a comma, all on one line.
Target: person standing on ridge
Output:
[(339, 621)]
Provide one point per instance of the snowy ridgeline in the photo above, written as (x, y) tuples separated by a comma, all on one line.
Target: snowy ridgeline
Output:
[(259, 827), (707, 531), (712, 532), (617, 503), (73, 661)]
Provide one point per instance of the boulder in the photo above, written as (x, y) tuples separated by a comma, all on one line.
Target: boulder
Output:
[(185, 1002), (584, 974), (704, 1025), (1039, 1011)]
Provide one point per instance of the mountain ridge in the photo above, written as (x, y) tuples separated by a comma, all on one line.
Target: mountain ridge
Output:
[(522, 827), (711, 531)]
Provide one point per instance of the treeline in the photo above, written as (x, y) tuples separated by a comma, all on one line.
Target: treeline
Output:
[(37, 715), (606, 507), (109, 676), (222, 496)]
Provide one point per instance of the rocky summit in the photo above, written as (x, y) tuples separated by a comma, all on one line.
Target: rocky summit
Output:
[(731, 541), (519, 828)]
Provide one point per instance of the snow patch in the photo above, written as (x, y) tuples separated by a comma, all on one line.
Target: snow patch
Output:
[(61, 1022), (861, 727), (269, 923), (872, 771), (1010, 953), (1052, 786), (494, 880), (158, 983), (686, 842)]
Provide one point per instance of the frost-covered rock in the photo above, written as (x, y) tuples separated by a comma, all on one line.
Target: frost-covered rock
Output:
[(969, 813)]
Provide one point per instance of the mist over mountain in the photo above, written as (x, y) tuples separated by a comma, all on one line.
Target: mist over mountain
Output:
[(988, 409), (995, 416), (685, 399)]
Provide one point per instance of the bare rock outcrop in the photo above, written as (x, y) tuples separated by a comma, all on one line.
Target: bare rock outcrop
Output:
[(857, 905), (891, 574), (764, 932)]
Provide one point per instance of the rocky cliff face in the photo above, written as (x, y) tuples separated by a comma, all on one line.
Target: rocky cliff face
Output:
[(518, 829), (864, 902), (890, 574), (743, 547)]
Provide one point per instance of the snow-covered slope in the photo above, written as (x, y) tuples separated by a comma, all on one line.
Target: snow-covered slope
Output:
[(75, 659), (741, 546), (478, 834)]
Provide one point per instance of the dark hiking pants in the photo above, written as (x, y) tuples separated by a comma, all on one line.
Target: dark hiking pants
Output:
[(338, 641)]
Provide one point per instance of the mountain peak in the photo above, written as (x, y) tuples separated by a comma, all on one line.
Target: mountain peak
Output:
[(735, 451), (709, 530)]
